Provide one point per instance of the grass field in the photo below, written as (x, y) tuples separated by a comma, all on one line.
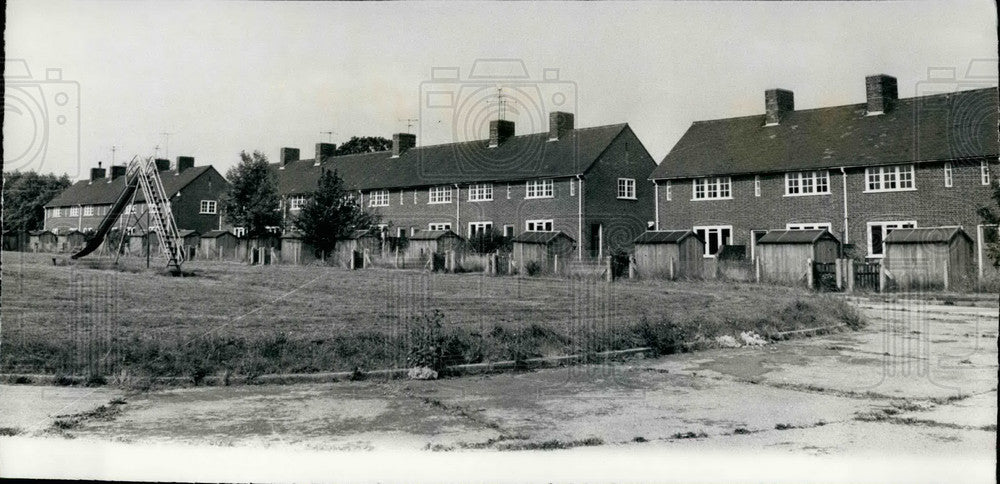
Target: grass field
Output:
[(245, 320)]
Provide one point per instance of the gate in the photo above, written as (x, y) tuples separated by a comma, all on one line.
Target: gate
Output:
[(866, 276), (825, 276)]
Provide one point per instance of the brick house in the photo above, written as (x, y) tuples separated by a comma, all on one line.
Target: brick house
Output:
[(590, 183), (194, 192), (858, 170)]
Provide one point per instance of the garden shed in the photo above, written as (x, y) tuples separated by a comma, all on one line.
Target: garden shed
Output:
[(190, 240), (42, 241), (258, 250), (669, 254), (545, 252), (71, 241), (939, 257), (218, 244), (783, 255), (14, 239), (422, 244), (296, 251), (353, 247)]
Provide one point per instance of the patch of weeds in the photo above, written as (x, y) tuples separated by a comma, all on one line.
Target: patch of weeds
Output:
[(22, 380), (438, 447), (9, 431), (640, 439), (357, 374), (63, 380), (494, 441), (117, 401), (553, 444), (96, 380), (965, 362), (742, 431), (989, 428), (689, 435), (785, 427)]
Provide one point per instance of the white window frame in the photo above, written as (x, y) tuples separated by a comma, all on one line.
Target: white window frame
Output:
[(626, 189), (74, 211), (400, 231), (507, 228), (88, 210), (810, 226), (208, 207), (712, 188), (508, 191), (239, 231), (439, 195), (984, 172), (378, 198), (296, 202), (753, 242), (543, 188), (481, 192), (756, 185), (439, 226), (414, 197), (480, 226), (533, 225), (669, 190), (896, 224), (718, 229), (877, 178), (949, 175), (807, 183)]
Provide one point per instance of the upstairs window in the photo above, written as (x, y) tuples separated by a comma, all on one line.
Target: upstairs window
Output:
[(378, 198), (949, 176), (810, 226), (481, 192), (668, 188), (88, 211), (209, 207), (889, 179), (296, 202), (756, 185), (539, 189), (984, 172), (806, 183), (712, 188), (440, 195), (74, 211), (626, 188)]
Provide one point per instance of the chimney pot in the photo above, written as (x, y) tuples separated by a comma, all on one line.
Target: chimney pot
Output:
[(560, 123), (324, 150), (162, 164), (777, 103), (183, 163), (116, 172), (500, 130), (288, 155), (402, 142), (882, 93), (97, 173)]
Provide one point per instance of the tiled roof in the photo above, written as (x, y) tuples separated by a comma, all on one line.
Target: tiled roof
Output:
[(211, 234), (518, 158), (928, 128), (664, 236), (924, 235), (794, 236), (540, 237), (100, 192), (432, 234)]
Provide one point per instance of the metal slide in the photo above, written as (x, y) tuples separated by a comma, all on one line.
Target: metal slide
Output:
[(111, 218)]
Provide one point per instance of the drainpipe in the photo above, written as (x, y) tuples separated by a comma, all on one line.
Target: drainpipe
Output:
[(579, 218), (458, 200), (79, 219), (656, 205), (843, 174)]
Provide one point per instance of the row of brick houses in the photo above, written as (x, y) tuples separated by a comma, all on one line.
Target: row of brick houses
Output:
[(858, 170)]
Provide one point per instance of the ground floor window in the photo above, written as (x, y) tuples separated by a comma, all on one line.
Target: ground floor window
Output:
[(538, 225), (715, 236), (508, 230), (877, 232), (439, 226), (479, 228), (400, 231), (810, 226)]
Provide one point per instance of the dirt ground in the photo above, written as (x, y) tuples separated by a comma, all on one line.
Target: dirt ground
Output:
[(919, 383)]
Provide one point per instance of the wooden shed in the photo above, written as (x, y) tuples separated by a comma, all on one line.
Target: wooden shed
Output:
[(543, 252), (783, 255), (42, 241), (71, 241), (939, 257), (190, 240), (296, 251), (14, 240), (218, 245), (354, 246), (669, 254), (422, 245), (258, 250)]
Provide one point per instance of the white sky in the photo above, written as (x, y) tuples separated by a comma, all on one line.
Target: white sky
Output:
[(230, 76)]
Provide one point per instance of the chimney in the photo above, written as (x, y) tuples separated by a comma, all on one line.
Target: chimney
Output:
[(500, 130), (777, 102), (117, 171), (402, 142), (882, 93), (162, 164), (183, 163), (289, 154), (560, 123), (324, 150), (96, 173)]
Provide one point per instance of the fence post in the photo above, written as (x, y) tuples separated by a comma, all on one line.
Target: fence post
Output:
[(672, 270), (395, 257), (946, 274), (756, 268), (631, 268), (850, 274), (450, 260), (881, 277), (840, 274), (809, 273), (607, 265), (354, 257), (555, 263)]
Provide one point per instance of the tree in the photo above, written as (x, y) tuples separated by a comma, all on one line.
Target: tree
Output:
[(330, 214), (990, 217), (25, 195), (252, 201), (364, 144)]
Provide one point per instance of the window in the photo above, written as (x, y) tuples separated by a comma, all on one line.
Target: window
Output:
[(74, 211), (88, 211), (400, 197), (626, 188), (889, 178), (400, 231), (810, 226), (756, 185), (948, 175), (984, 172), (239, 231), (481, 192), (667, 187), (208, 206), (538, 189), (803, 183), (714, 188), (378, 198), (480, 228), (572, 188), (439, 226), (877, 232), (715, 236), (508, 191), (440, 195), (538, 225), (131, 209), (508, 230), (295, 202)]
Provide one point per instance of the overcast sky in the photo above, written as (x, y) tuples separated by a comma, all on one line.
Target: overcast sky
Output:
[(230, 76)]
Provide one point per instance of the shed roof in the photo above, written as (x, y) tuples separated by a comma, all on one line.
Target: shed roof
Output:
[(187, 233), (540, 237), (102, 192), (938, 127), (211, 234), (40, 232), (933, 235), (432, 234), (795, 236), (664, 236)]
